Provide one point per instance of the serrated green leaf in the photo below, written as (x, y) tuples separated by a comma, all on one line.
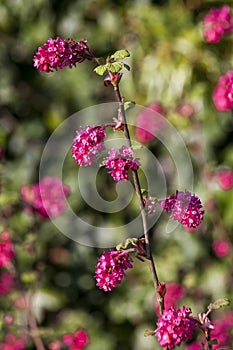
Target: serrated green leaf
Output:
[(124, 245), (100, 69), (114, 67), (219, 303), (120, 54)]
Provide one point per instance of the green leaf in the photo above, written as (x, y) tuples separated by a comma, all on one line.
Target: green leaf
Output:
[(120, 54), (147, 333), (219, 303), (128, 105), (124, 245), (100, 69), (114, 67)]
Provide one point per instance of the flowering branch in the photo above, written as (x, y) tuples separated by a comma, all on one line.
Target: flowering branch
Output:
[(141, 202)]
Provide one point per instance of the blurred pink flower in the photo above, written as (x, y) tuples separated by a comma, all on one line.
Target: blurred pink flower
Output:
[(77, 341), (194, 346), (221, 248), (7, 252), (223, 332), (186, 109), (48, 198), (174, 294), (11, 342), (217, 23), (223, 92), (149, 122), (6, 283), (225, 179)]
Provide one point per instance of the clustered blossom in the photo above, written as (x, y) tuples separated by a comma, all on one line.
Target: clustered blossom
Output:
[(88, 144), (175, 327), (47, 198), (58, 53), (6, 283), (223, 92), (110, 269), (7, 252), (150, 205), (217, 23), (149, 122), (77, 341), (185, 207), (121, 163)]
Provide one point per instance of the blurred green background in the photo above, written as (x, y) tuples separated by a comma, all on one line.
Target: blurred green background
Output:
[(170, 63)]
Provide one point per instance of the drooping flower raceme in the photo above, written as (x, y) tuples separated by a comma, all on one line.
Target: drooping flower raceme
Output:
[(110, 269), (88, 144), (58, 53), (217, 23), (121, 163), (47, 198), (175, 327), (223, 92), (185, 207), (7, 252)]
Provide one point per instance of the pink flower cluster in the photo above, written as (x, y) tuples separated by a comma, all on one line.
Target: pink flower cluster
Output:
[(221, 248), (149, 122), (217, 23), (47, 198), (77, 341), (6, 283), (59, 53), (110, 269), (223, 92), (88, 144), (7, 252), (185, 207), (121, 163), (175, 327), (13, 343)]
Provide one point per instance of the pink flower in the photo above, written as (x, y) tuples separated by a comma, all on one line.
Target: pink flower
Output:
[(150, 205), (149, 122), (6, 283), (13, 343), (194, 346), (110, 269), (221, 248), (175, 327), (222, 331), (174, 293), (76, 341), (225, 179), (217, 23), (48, 198), (223, 92), (185, 207), (185, 109), (121, 163), (88, 144), (59, 53), (7, 252)]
